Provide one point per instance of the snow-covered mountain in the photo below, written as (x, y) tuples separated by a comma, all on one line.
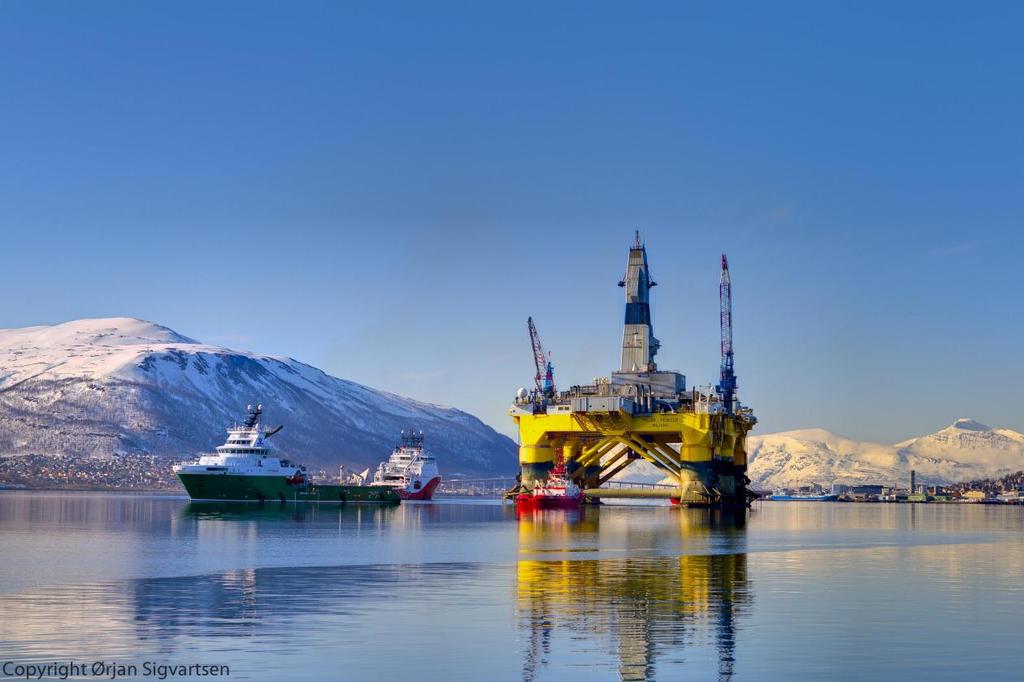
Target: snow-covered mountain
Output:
[(122, 385), (964, 450)]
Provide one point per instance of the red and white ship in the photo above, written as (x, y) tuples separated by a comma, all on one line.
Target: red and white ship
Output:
[(410, 471), (557, 492)]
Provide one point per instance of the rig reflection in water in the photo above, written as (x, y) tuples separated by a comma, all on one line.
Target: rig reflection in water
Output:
[(648, 606)]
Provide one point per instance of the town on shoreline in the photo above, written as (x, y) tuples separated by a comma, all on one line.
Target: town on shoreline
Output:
[(150, 473), (1008, 489)]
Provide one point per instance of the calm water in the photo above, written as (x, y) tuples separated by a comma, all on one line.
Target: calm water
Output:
[(462, 591)]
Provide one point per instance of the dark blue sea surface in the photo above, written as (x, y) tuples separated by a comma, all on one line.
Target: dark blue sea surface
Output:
[(456, 590)]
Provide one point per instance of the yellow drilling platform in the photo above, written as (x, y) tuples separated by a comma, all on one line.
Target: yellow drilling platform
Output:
[(696, 436)]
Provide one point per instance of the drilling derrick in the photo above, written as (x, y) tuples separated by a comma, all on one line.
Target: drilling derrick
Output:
[(638, 343), (696, 437), (727, 380)]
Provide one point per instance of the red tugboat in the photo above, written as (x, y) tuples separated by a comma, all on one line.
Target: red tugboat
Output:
[(557, 492)]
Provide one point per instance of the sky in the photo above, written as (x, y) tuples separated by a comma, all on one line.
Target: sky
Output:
[(387, 190)]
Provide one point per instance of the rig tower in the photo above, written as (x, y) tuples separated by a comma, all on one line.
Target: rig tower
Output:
[(727, 373), (638, 343), (697, 436)]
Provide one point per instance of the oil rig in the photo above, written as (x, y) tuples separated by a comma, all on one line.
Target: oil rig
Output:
[(696, 436)]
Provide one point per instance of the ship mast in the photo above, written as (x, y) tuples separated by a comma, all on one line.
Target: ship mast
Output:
[(252, 419)]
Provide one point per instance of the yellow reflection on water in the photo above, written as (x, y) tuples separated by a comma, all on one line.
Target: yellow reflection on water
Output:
[(645, 606)]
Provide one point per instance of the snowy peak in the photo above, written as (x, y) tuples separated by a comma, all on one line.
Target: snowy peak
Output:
[(94, 348), (104, 331), (794, 458), (964, 424), (966, 434), (964, 430), (809, 435)]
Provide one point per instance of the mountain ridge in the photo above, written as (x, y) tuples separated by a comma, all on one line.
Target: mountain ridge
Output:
[(102, 386), (964, 450)]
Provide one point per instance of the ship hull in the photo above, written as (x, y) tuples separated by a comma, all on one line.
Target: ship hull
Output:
[(424, 493), (230, 488), (528, 502)]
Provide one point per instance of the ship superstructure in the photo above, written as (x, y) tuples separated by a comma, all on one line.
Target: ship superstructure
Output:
[(246, 452), (696, 435), (410, 471)]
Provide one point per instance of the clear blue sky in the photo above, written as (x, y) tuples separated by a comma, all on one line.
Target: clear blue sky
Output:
[(387, 190)]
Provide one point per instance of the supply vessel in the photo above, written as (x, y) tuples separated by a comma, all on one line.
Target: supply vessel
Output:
[(245, 469), (410, 471)]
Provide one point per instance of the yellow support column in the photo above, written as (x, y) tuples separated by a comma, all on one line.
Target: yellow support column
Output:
[(535, 461)]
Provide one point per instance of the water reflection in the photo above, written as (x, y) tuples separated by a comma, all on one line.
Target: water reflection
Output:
[(247, 612), (306, 592), (233, 511), (231, 603), (647, 606)]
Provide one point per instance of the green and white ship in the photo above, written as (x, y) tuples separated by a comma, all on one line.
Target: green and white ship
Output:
[(244, 469)]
